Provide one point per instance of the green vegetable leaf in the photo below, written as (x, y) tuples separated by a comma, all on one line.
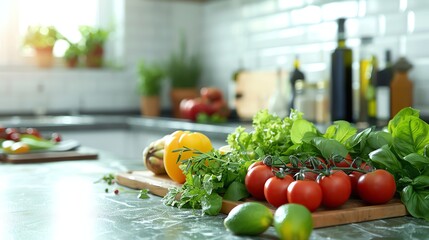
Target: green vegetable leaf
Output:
[(358, 138), (416, 202), (418, 161), (401, 116), (340, 131), (386, 159), (411, 136), (211, 204), (421, 182), (330, 147), (236, 191), (299, 128), (143, 194)]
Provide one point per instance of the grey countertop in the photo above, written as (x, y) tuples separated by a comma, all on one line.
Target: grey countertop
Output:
[(60, 200)]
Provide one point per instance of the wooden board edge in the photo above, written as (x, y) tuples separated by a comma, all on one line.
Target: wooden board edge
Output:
[(53, 158), (321, 219)]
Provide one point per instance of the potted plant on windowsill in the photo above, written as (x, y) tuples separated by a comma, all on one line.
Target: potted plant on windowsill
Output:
[(72, 54), (184, 71), (149, 86), (93, 40), (42, 39)]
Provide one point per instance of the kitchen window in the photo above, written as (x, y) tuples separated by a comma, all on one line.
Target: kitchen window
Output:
[(66, 16)]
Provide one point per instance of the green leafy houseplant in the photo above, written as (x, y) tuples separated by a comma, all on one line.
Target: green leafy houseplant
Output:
[(149, 87), (39, 37), (150, 79), (42, 39), (93, 40), (72, 53), (184, 71)]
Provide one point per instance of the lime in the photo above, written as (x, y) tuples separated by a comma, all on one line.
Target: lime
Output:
[(250, 218), (293, 221)]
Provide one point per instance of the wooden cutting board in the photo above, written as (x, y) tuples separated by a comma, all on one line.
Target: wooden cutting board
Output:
[(253, 90), (351, 212), (49, 156)]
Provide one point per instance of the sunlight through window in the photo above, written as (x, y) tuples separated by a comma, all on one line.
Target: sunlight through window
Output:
[(66, 16)]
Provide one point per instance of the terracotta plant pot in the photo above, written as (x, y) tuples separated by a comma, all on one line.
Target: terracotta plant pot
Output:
[(94, 58), (150, 106), (72, 62), (44, 57), (177, 95)]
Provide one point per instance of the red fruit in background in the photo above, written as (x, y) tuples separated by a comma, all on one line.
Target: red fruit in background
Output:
[(354, 178), (211, 93), (56, 137), (34, 132), (12, 134), (189, 108), (221, 108)]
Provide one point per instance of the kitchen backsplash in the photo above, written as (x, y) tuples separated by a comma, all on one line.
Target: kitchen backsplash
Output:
[(263, 34)]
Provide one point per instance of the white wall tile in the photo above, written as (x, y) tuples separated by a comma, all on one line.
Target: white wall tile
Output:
[(421, 20), (382, 6)]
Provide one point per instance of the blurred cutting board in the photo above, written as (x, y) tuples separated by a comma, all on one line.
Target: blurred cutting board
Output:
[(253, 90), (351, 212), (66, 150)]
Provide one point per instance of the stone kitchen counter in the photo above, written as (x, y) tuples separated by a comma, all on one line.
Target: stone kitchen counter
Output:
[(60, 200)]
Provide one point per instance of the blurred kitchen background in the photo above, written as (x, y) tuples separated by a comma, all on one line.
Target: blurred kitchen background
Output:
[(228, 34)]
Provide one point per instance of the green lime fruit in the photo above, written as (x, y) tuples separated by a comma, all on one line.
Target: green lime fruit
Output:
[(293, 221), (250, 218)]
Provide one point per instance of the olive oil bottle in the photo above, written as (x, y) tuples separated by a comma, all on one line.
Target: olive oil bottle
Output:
[(295, 76), (341, 78)]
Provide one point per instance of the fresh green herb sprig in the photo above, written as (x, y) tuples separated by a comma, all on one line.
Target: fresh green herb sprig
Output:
[(109, 179), (210, 177)]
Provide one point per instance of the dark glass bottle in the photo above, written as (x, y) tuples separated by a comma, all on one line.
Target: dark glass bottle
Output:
[(341, 78), (295, 76)]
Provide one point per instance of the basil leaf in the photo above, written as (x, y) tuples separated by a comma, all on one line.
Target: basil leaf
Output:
[(401, 116), (378, 139), (416, 202), (329, 147), (358, 138), (386, 159), (211, 204), (299, 128), (418, 161), (340, 131), (236, 191), (421, 182), (411, 136)]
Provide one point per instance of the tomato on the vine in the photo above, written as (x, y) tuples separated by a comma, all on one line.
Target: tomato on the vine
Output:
[(275, 190), (336, 189), (354, 178), (346, 162), (255, 180), (376, 187), (307, 193), (257, 163)]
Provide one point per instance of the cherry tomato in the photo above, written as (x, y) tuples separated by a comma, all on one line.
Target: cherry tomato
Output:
[(255, 180), (12, 134), (34, 132), (275, 190), (56, 137), (336, 189), (354, 178), (376, 187), (257, 163), (307, 193), (346, 162)]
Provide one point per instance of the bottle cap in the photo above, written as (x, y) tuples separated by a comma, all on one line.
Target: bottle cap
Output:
[(402, 65)]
